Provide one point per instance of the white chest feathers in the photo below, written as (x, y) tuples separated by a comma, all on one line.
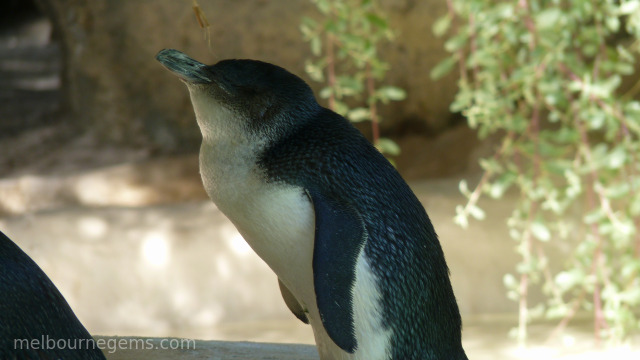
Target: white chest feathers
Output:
[(276, 220)]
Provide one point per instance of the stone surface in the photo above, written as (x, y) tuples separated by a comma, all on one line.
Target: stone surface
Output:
[(174, 348), (29, 75), (484, 339), (160, 181), (113, 85), (33, 142)]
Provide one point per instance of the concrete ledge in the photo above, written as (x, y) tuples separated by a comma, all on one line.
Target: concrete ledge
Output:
[(140, 348), (488, 342)]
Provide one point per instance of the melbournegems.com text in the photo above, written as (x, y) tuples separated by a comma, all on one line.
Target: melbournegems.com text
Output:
[(109, 345)]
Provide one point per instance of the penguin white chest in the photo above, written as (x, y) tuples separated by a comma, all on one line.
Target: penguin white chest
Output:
[(278, 223), (276, 220)]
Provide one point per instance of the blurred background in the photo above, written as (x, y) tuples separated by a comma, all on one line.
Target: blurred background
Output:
[(99, 179)]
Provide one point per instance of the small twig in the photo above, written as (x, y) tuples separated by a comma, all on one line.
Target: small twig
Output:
[(605, 204), (459, 52), (371, 89), (523, 309), (529, 23), (567, 318), (477, 191), (534, 130), (331, 71), (202, 22), (473, 44), (547, 273), (626, 137), (599, 319)]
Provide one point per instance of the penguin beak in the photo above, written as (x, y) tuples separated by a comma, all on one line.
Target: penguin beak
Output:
[(186, 68)]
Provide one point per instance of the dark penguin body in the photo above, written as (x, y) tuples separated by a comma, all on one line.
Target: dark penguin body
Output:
[(32, 311), (353, 248), (329, 156)]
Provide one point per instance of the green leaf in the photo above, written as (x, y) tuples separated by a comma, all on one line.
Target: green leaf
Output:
[(326, 92), (391, 93), (616, 191), (377, 21), (464, 188), (316, 45), (634, 207), (456, 42), (548, 18), (574, 184), (593, 216), (308, 27), (314, 70), (510, 281), (443, 68), (502, 184), (341, 108), (566, 280), (612, 23), (349, 85), (630, 296), (388, 146), (476, 212), (490, 164), (625, 54), (629, 7), (461, 218), (323, 5), (557, 312), (630, 269), (617, 158), (540, 231), (441, 25), (359, 114), (596, 121)]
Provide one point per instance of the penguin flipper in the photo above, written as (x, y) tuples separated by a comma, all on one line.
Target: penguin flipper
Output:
[(292, 303), (339, 237)]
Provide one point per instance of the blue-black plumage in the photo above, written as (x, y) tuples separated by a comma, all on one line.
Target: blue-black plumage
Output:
[(36, 321), (352, 246)]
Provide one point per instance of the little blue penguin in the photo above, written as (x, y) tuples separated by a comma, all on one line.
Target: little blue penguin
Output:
[(355, 253), (36, 322)]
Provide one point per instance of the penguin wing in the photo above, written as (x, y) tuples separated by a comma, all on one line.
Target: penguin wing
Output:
[(292, 303), (339, 237)]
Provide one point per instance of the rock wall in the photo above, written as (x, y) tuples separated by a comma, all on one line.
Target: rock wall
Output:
[(113, 85)]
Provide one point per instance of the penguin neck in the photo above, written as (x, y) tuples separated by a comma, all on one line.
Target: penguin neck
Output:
[(228, 152), (217, 122)]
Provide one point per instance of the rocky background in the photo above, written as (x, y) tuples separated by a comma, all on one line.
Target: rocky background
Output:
[(112, 88)]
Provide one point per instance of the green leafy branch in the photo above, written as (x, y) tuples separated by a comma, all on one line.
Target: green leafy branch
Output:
[(546, 76), (345, 45)]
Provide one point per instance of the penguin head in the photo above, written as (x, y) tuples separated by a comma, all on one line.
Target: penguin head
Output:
[(259, 95)]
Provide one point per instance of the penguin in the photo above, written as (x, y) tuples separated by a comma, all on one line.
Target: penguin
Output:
[(36, 322), (354, 251)]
